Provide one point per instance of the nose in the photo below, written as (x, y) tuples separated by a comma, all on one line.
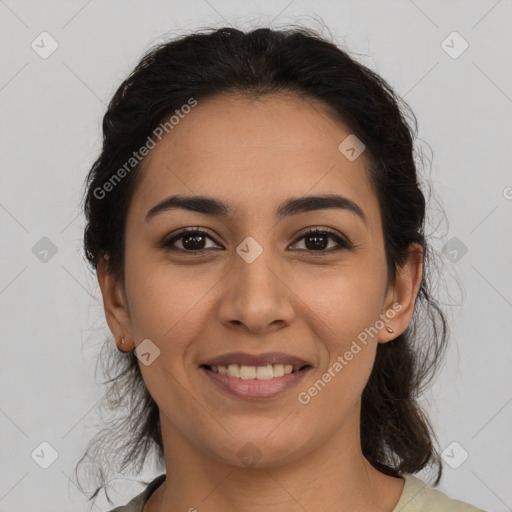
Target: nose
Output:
[(256, 296)]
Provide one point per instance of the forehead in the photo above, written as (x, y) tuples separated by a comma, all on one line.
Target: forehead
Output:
[(253, 154)]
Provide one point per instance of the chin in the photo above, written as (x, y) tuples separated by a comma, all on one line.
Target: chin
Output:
[(259, 451)]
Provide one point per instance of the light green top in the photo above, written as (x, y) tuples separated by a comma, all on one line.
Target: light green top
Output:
[(416, 496)]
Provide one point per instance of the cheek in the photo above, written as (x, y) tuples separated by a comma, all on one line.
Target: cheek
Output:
[(347, 299), (165, 303), (333, 398), (346, 306), (166, 311)]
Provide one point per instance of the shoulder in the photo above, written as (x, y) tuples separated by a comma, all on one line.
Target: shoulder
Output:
[(136, 504), (417, 496)]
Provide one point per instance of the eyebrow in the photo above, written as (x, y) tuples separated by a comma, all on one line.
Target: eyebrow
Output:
[(214, 207)]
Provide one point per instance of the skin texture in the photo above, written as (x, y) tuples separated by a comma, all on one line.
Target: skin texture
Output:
[(253, 155)]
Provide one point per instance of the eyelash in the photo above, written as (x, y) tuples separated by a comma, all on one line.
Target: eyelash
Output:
[(343, 243)]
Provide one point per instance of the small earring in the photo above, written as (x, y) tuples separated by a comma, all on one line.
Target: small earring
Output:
[(122, 340), (389, 329)]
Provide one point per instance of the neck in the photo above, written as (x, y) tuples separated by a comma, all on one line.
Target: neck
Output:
[(334, 477)]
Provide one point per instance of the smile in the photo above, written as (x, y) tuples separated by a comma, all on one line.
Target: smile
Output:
[(244, 372), (254, 382)]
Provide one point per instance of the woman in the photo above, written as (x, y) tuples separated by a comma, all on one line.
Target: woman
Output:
[(256, 224)]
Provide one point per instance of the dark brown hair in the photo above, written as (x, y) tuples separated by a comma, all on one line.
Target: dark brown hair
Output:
[(396, 435)]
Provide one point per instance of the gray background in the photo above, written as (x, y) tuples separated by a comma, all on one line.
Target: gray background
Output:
[(52, 324)]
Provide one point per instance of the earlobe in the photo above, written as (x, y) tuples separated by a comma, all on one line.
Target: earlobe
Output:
[(401, 298), (115, 305)]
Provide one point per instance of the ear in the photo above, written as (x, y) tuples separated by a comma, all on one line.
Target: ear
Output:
[(401, 295), (115, 305)]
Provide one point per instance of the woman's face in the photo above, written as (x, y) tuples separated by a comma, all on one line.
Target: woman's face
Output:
[(256, 282)]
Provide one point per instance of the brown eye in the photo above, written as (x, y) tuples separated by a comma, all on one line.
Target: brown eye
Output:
[(194, 240), (317, 240), (191, 239)]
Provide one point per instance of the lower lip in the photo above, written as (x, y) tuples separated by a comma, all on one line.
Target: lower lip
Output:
[(255, 388)]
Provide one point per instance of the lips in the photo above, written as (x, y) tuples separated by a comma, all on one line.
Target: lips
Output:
[(244, 359), (255, 376)]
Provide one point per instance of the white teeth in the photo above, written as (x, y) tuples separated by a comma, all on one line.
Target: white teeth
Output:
[(254, 372), (262, 372), (234, 370), (250, 372), (278, 370)]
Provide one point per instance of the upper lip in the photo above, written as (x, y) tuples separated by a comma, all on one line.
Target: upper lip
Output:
[(265, 359)]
